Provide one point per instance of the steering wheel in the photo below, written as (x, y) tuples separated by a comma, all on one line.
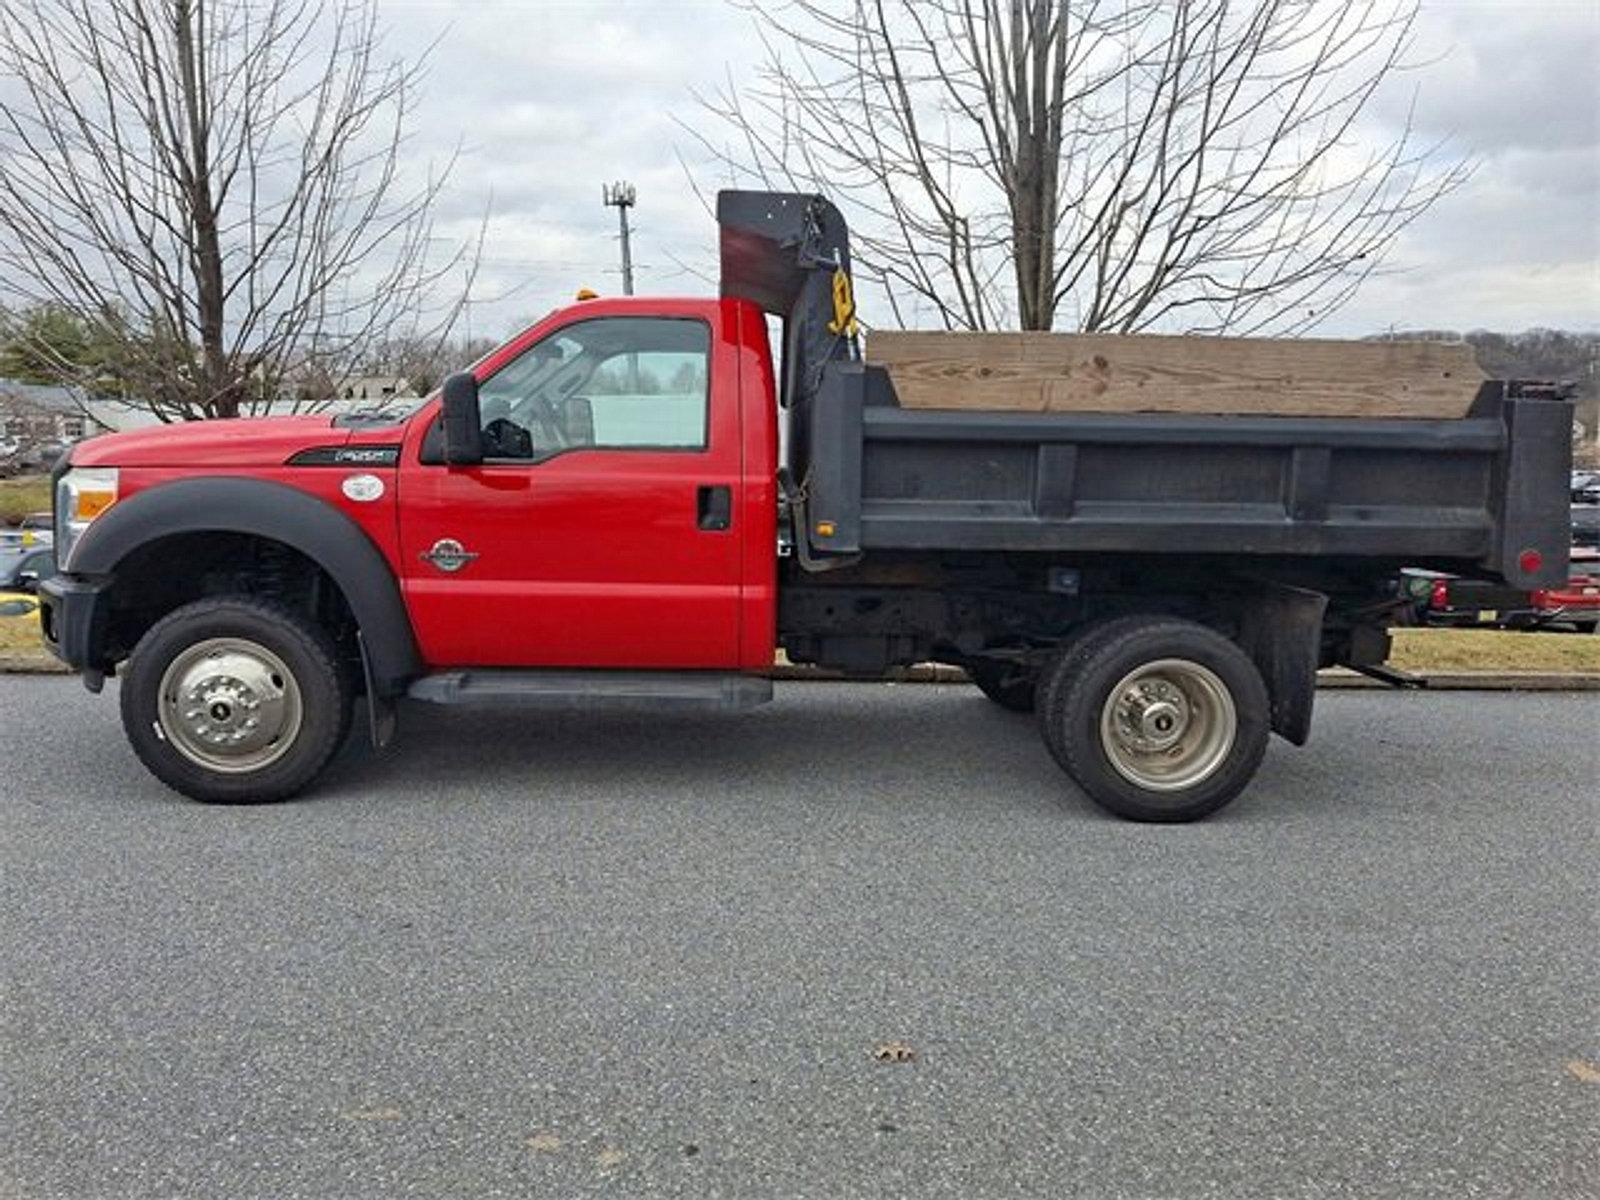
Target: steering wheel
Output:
[(503, 438)]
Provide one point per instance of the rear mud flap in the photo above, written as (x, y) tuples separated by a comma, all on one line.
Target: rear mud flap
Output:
[(1281, 630)]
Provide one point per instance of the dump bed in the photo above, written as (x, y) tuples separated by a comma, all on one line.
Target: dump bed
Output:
[(1484, 493), (1003, 458)]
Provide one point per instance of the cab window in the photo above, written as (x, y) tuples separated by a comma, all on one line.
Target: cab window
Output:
[(619, 383)]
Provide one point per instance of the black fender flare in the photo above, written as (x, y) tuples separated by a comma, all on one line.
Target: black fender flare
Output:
[(326, 536)]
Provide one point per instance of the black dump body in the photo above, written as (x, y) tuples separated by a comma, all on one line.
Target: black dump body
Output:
[(1482, 495), (1473, 495)]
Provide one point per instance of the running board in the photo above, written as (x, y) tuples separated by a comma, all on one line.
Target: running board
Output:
[(585, 691)]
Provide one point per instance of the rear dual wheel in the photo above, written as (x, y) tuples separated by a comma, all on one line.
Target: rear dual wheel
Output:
[(1157, 719)]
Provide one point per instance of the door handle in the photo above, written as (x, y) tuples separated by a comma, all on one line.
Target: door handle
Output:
[(714, 506)]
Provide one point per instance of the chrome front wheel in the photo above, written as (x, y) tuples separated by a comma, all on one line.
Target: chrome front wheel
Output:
[(230, 705), (235, 700)]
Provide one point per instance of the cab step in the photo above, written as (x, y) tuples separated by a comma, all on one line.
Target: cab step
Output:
[(589, 690)]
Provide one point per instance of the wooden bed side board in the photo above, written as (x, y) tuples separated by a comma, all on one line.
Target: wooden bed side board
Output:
[(1065, 372)]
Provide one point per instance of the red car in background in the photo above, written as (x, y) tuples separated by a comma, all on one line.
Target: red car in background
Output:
[(1444, 600)]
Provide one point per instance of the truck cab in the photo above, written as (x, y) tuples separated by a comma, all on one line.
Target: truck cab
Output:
[(623, 511)]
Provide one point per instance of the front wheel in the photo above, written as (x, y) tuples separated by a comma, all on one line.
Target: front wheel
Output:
[(1157, 719), (234, 700)]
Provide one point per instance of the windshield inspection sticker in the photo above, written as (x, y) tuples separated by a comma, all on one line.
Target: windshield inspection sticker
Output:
[(363, 488)]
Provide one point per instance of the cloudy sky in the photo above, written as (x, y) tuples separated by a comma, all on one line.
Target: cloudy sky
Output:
[(549, 100)]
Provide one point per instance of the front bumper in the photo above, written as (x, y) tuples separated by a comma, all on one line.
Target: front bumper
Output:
[(74, 615)]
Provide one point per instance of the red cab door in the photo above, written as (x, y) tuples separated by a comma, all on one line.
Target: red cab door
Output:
[(599, 530)]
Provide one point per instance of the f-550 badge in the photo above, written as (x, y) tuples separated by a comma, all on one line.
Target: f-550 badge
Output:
[(449, 555)]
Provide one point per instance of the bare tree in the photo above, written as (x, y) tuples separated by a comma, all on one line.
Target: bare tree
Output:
[(218, 187), (424, 362), (1121, 165)]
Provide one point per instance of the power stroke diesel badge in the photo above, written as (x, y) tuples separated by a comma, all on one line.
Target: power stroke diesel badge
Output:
[(449, 555)]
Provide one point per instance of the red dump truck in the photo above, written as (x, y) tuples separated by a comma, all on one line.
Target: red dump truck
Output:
[(598, 514)]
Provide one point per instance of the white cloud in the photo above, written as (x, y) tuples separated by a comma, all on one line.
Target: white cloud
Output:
[(551, 100), (1512, 85)]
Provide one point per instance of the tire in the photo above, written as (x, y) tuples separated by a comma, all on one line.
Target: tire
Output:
[(1061, 668), (1006, 683), (1156, 718), (279, 700)]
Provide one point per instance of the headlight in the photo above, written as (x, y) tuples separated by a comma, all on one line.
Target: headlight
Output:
[(82, 494)]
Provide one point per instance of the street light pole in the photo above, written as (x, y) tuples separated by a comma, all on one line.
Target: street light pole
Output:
[(621, 196)]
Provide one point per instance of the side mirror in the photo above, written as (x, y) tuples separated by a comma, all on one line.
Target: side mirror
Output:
[(577, 419), (27, 581), (463, 430)]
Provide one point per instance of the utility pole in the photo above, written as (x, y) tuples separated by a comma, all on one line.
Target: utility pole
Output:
[(621, 196)]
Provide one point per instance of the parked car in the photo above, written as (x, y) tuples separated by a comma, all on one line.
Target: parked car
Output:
[(21, 609), (20, 574), (1444, 600), (22, 570), (1586, 487), (14, 540), (1586, 525), (40, 456), (27, 535)]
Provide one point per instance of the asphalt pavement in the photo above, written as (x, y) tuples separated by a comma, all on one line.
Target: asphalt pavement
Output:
[(615, 955)]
